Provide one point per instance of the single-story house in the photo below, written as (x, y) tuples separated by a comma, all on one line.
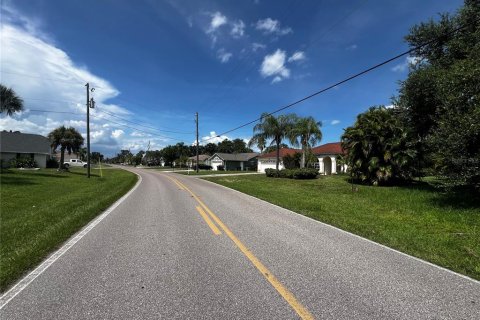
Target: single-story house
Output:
[(234, 161), (326, 154), (269, 160), (14, 145), (66, 157), (202, 159)]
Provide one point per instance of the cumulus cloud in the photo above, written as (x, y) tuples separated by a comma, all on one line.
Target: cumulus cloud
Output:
[(271, 26), (409, 61), (297, 56), (334, 122), (212, 138), (274, 65), (223, 55), (238, 29), (46, 78)]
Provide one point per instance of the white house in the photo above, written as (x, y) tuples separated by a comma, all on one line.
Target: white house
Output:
[(233, 161), (14, 145), (268, 160), (327, 155)]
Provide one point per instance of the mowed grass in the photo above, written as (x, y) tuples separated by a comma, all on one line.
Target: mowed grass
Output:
[(210, 172), (443, 228), (41, 209)]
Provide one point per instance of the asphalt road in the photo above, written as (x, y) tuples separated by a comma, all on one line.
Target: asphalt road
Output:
[(158, 256)]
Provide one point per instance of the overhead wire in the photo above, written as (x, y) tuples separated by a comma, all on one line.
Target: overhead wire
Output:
[(356, 75)]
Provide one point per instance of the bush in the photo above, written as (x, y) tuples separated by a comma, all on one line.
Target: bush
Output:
[(23, 162), (52, 163), (221, 168), (305, 173), (204, 167)]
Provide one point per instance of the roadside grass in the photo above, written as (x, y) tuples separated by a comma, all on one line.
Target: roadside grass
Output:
[(443, 228), (42, 209), (209, 172)]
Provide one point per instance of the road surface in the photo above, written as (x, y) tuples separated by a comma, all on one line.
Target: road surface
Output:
[(184, 248)]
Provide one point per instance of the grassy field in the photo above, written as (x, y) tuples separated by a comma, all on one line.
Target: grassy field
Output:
[(41, 209), (209, 172), (442, 228)]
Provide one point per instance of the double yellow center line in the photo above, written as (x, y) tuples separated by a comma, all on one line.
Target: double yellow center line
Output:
[(282, 290)]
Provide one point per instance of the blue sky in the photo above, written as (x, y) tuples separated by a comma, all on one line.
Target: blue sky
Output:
[(156, 63)]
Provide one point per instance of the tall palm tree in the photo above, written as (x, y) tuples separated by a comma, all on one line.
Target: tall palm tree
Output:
[(68, 139), (259, 141), (275, 128), (10, 102), (305, 133)]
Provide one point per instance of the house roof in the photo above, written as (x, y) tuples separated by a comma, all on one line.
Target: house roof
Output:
[(17, 142), (235, 156), (201, 157), (283, 153), (328, 148)]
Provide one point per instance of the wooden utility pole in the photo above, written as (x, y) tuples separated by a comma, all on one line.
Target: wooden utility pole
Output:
[(88, 129), (196, 121)]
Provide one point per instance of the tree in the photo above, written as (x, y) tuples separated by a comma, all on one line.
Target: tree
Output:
[(258, 141), (68, 139), (274, 128), (9, 101), (439, 102), (292, 161), (274, 148), (378, 151), (226, 146), (211, 148), (305, 133), (240, 146), (96, 156)]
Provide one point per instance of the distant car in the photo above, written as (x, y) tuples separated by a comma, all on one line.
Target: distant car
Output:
[(74, 163)]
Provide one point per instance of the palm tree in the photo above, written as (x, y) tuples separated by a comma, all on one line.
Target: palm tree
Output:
[(10, 102), (273, 128), (305, 133), (259, 141), (68, 139)]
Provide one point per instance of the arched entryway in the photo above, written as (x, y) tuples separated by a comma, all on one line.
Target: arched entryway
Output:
[(327, 164)]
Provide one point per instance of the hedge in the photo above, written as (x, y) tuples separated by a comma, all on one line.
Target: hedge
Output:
[(303, 173)]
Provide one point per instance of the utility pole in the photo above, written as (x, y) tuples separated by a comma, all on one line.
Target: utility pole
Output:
[(196, 121), (90, 104), (88, 129)]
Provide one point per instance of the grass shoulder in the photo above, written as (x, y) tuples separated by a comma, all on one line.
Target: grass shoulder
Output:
[(212, 172), (41, 209), (443, 228)]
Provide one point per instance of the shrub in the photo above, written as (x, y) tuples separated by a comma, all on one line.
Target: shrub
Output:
[(52, 163), (221, 168), (23, 162), (305, 173), (204, 167)]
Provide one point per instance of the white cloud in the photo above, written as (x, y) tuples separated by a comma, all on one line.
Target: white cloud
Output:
[(274, 65), (256, 46), (117, 133), (271, 26), (217, 21), (238, 29), (390, 106), (212, 138), (224, 56), (409, 61), (334, 122), (352, 47), (297, 56)]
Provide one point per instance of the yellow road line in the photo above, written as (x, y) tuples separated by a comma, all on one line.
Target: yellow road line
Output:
[(210, 223), (176, 182), (284, 292)]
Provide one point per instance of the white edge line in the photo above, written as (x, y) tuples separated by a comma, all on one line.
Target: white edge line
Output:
[(352, 234), (24, 282)]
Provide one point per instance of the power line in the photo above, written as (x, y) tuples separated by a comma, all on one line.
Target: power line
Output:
[(108, 120), (347, 79)]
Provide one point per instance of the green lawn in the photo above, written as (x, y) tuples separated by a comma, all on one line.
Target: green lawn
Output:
[(443, 228), (41, 209), (209, 172)]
